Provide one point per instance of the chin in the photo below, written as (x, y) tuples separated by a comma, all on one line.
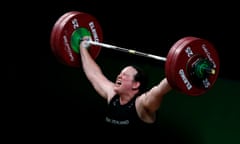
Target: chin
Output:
[(116, 88)]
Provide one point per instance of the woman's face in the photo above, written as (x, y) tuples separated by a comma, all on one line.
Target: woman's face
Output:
[(125, 79)]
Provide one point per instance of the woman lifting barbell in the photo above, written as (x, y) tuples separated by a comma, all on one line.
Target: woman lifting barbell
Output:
[(191, 67), (129, 104)]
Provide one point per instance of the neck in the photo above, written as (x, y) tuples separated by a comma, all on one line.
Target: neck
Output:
[(125, 98)]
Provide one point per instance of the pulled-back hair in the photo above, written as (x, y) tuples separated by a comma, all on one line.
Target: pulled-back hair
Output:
[(142, 78)]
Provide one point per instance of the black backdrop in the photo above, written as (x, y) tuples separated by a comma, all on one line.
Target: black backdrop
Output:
[(150, 27)]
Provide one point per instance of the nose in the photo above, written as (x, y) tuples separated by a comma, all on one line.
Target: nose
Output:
[(119, 76)]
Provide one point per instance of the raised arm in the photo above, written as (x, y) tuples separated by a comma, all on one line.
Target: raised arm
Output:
[(94, 73), (152, 99)]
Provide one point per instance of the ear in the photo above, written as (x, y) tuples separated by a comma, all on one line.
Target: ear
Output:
[(135, 85)]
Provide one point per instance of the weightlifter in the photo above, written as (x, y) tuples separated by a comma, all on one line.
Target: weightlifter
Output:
[(130, 104)]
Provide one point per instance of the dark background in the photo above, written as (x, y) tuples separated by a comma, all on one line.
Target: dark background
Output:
[(149, 27), (57, 99)]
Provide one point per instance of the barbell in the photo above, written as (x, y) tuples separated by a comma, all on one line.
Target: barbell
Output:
[(191, 65)]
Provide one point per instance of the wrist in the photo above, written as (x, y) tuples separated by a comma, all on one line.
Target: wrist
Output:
[(85, 42)]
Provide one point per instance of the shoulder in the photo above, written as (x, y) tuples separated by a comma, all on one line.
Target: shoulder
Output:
[(112, 97)]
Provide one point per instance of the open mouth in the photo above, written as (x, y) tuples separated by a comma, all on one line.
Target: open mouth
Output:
[(118, 83)]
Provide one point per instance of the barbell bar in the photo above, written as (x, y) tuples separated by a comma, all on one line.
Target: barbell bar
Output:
[(131, 51), (135, 52), (191, 65)]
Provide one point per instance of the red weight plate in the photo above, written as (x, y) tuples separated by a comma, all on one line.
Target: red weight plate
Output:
[(168, 64), (54, 35), (178, 74), (177, 59), (62, 34), (62, 47)]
